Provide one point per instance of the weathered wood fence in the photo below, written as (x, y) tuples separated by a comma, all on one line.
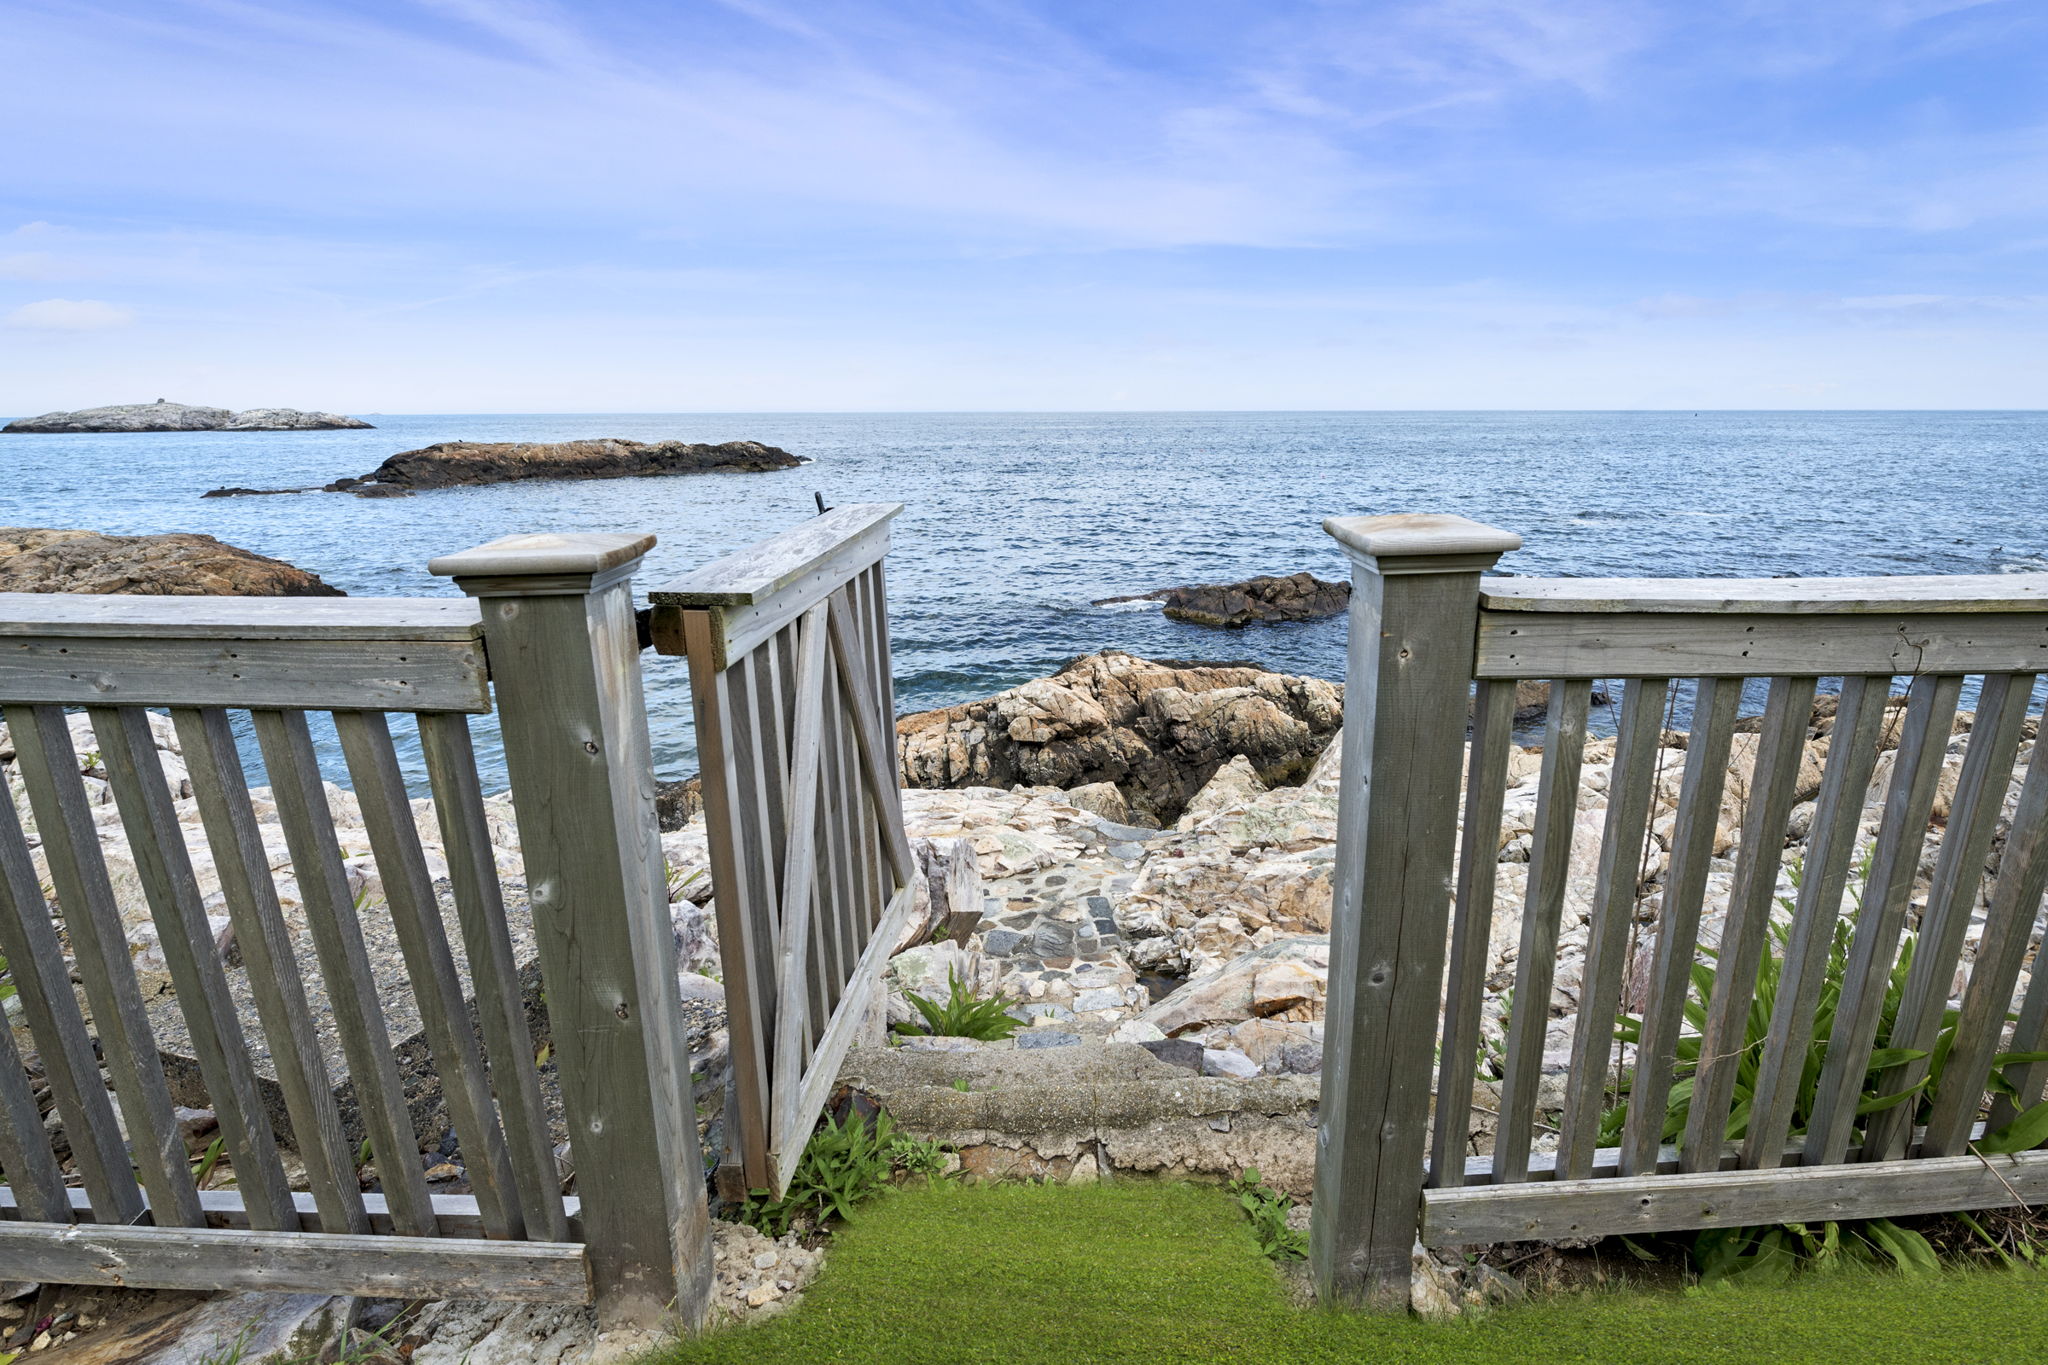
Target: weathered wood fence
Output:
[(1414, 905), (554, 617), (788, 644)]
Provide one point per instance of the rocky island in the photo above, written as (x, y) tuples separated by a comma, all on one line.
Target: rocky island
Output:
[(165, 416), (180, 564), (458, 464), (1268, 597)]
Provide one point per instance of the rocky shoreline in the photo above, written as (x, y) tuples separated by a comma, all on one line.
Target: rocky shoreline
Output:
[(179, 564), (462, 464), (1140, 736), (163, 416)]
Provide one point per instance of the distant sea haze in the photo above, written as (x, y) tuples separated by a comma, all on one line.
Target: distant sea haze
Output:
[(1014, 523)]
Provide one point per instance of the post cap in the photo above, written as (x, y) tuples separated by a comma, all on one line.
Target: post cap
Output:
[(1422, 541), (546, 553)]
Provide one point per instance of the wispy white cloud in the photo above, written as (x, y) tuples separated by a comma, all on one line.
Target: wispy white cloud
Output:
[(68, 315), (587, 197)]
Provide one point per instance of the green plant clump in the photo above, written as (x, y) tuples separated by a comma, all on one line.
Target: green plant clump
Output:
[(1773, 1252), (964, 1015), (845, 1162), (1268, 1209)]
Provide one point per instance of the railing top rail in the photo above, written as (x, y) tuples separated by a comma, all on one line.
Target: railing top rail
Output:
[(47, 615), (756, 574), (1940, 593)]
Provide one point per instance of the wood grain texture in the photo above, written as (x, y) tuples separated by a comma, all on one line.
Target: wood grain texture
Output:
[(770, 568), (1759, 861), (1557, 810), (822, 1074), (301, 799), (1951, 900), (1638, 740), (89, 615), (429, 963), (494, 972), (42, 982), (1883, 596), (566, 671), (1407, 672), (1493, 722), (2022, 880), (281, 1262), (1632, 1205), (1830, 852), (746, 929), (222, 790), (1521, 644), (455, 1213), (799, 894), (1695, 825), (26, 1160), (99, 943), (316, 673), (1895, 862), (156, 840)]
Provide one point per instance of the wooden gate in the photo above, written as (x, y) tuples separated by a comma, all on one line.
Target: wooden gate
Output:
[(788, 644), (305, 1012), (1412, 899)]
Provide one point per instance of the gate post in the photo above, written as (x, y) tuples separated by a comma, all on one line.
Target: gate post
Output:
[(565, 667), (1413, 621)]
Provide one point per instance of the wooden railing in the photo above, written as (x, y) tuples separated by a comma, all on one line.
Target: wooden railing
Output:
[(1414, 904), (556, 619), (788, 644)]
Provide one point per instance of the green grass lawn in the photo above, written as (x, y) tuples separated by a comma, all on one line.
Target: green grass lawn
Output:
[(1152, 1272)]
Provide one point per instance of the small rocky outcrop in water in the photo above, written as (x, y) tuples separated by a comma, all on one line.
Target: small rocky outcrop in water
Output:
[(452, 464), (1296, 597), (163, 416), (1157, 730), (181, 564)]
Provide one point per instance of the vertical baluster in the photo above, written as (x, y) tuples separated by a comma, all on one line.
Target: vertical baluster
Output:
[(42, 979), (1952, 896), (164, 865), (99, 944), (273, 971), (1557, 810), (746, 923), (801, 893), (2008, 927), (1830, 850), (493, 969), (1695, 825), (872, 759), (1493, 723), (835, 843), (1909, 803), (351, 981), (1747, 930), (423, 941), (1629, 792), (26, 1162), (757, 786)]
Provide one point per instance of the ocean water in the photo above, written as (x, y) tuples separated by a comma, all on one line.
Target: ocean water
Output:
[(1014, 523)]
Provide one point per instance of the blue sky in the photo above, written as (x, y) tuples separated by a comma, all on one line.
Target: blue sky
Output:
[(734, 205)]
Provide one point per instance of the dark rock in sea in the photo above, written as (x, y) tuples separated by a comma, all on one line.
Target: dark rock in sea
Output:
[(163, 416), (1158, 732), (180, 564), (1296, 597), (453, 464)]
